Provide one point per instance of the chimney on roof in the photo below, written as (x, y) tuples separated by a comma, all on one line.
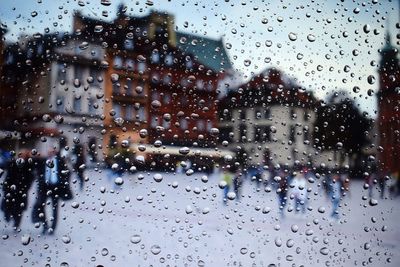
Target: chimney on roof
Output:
[(162, 22)]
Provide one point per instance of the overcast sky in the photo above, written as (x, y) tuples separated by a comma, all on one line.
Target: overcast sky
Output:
[(312, 41)]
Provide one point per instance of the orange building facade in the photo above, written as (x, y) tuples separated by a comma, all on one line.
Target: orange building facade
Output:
[(158, 96)]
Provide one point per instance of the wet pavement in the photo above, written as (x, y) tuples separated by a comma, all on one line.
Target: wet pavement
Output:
[(182, 221)]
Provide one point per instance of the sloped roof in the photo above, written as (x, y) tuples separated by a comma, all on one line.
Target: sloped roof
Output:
[(270, 87), (210, 52)]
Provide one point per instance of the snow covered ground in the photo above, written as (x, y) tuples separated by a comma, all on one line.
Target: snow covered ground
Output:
[(182, 221)]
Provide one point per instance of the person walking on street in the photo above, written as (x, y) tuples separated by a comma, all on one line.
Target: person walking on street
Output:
[(335, 193), (237, 183), (345, 180), (282, 188), (17, 182), (397, 184), (227, 178), (78, 164), (299, 190), (369, 182), (53, 183), (383, 176)]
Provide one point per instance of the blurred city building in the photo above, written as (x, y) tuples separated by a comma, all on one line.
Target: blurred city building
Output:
[(52, 90), (3, 31), (139, 85), (160, 89), (269, 120), (134, 82), (343, 134), (7, 99), (388, 119)]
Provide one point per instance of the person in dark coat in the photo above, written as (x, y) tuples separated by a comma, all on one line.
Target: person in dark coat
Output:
[(282, 181), (237, 183), (79, 163), (53, 183), (17, 182)]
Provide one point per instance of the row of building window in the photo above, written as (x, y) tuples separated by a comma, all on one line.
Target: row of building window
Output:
[(264, 134), (81, 72), (78, 104), (129, 64), (165, 98), (169, 59), (201, 124), (128, 87), (264, 113), (129, 112), (167, 80), (67, 73)]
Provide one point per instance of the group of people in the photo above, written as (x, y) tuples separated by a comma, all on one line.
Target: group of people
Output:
[(289, 186), (380, 179), (52, 174)]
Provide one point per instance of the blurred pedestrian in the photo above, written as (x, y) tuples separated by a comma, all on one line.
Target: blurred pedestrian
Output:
[(369, 182), (17, 182), (282, 189), (215, 168), (299, 190), (227, 178), (53, 183), (382, 177), (335, 193), (179, 168), (237, 183), (78, 163), (266, 176), (345, 179), (255, 174), (394, 189), (115, 163)]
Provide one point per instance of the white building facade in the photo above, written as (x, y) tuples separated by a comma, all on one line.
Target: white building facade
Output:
[(276, 134)]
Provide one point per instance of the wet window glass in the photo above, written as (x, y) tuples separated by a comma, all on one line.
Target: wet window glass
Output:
[(199, 133)]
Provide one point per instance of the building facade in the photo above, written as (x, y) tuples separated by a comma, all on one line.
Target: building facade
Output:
[(133, 83), (269, 120), (57, 92), (160, 93), (388, 119)]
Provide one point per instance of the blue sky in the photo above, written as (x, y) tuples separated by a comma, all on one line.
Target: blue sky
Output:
[(257, 31)]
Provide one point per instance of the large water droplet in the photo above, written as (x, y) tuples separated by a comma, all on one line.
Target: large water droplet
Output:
[(66, 239), (184, 150), (324, 251), (135, 239), (119, 181), (105, 2), (155, 249), (98, 28), (367, 28), (247, 62), (278, 242), (155, 104), (25, 239), (292, 36), (311, 37), (104, 252), (371, 79), (158, 177)]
